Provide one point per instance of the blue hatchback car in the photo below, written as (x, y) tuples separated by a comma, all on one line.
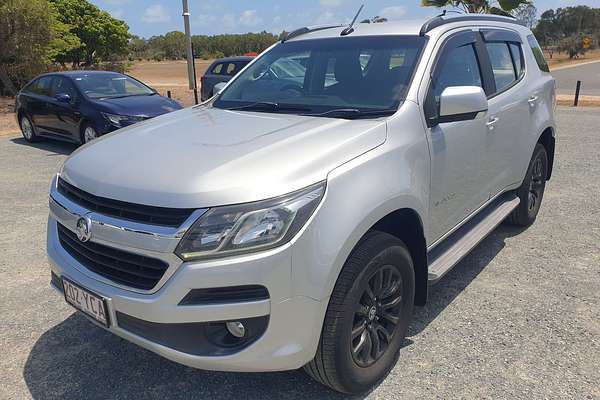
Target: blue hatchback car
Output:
[(80, 106)]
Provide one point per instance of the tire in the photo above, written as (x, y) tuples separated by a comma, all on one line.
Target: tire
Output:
[(28, 129), (88, 133), (531, 191), (345, 361)]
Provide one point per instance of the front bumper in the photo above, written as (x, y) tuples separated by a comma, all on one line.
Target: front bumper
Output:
[(294, 322)]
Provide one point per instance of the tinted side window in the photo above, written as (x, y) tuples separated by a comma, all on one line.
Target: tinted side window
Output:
[(239, 66), (231, 69), (517, 55), (457, 67), (217, 69), (502, 65), (538, 53), (43, 86), (460, 68), (62, 85), (30, 88)]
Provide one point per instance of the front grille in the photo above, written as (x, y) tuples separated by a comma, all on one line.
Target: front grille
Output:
[(172, 217), (224, 295), (120, 266)]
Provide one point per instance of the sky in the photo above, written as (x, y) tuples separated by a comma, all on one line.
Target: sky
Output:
[(154, 17)]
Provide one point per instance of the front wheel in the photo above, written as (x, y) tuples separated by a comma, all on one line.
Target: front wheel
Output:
[(88, 133), (532, 189), (368, 314)]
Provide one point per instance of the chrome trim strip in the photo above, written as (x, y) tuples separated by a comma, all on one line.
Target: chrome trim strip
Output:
[(119, 231), (144, 239)]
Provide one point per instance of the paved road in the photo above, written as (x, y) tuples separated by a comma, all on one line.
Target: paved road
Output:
[(588, 74), (517, 319)]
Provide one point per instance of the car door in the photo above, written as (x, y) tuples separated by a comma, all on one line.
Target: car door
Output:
[(38, 102), (509, 108), (457, 148), (65, 116)]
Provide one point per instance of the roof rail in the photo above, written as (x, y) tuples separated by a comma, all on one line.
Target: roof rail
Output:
[(308, 29), (444, 19)]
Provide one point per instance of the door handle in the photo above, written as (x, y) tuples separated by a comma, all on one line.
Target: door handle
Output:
[(490, 124), (532, 100)]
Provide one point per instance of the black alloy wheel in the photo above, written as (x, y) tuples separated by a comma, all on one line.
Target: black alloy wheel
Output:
[(376, 315)]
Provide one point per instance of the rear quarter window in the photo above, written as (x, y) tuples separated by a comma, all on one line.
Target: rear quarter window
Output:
[(538, 53)]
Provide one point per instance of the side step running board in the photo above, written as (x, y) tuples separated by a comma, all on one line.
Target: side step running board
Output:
[(449, 252)]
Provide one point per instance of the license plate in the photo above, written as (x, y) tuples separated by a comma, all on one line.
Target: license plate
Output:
[(86, 301)]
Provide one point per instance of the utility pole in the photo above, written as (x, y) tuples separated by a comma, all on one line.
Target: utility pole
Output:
[(188, 45)]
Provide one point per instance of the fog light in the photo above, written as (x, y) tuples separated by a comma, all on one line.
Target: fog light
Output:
[(236, 328)]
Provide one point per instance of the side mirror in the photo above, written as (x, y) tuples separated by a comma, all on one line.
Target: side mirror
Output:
[(462, 103), (63, 98), (218, 88)]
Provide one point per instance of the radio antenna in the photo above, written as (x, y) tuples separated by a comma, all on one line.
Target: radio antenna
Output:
[(350, 28)]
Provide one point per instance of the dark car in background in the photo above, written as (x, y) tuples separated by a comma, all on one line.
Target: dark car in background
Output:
[(80, 106), (221, 70)]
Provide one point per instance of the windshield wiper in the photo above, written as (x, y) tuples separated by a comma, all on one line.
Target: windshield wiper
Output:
[(354, 113), (268, 106)]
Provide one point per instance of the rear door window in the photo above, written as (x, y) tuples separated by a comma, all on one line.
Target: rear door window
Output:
[(43, 86), (502, 65), (230, 69)]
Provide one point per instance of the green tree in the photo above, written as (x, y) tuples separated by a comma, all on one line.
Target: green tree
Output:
[(101, 36), (500, 7), (526, 14), (565, 28), (30, 36)]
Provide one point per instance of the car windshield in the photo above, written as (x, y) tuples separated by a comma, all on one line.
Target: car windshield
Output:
[(110, 85), (355, 75)]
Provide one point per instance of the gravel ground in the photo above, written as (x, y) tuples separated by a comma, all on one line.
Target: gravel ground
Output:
[(519, 318)]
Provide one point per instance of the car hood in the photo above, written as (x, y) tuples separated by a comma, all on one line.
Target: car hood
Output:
[(149, 106), (203, 156)]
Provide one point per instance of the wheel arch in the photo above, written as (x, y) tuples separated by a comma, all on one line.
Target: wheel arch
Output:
[(20, 114), (406, 225), (547, 140)]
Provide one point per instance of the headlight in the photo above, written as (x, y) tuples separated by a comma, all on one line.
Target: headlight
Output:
[(122, 120), (244, 228)]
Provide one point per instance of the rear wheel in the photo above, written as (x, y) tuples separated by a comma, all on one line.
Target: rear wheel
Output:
[(368, 314), (28, 129), (532, 189)]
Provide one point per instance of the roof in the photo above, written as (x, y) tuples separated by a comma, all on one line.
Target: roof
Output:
[(235, 58), (76, 73), (406, 27)]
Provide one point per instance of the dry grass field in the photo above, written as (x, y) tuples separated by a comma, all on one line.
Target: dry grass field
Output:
[(560, 60), (169, 75)]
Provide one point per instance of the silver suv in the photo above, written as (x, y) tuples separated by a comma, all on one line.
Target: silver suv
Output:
[(296, 218)]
